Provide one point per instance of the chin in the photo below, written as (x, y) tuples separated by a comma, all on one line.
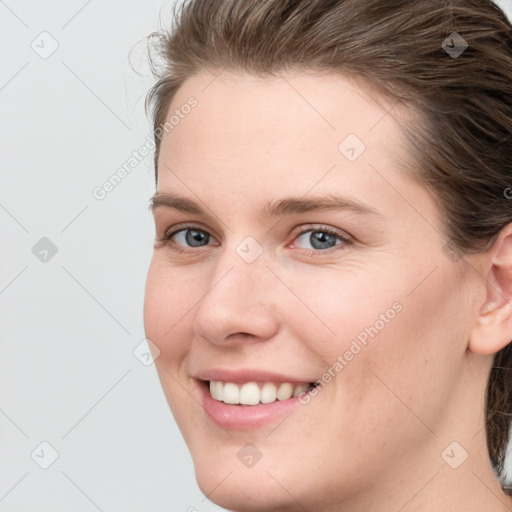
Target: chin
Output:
[(243, 491), (276, 482)]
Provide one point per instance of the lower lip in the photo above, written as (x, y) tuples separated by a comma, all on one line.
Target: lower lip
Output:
[(245, 417)]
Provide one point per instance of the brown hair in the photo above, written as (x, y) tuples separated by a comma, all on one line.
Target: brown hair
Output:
[(461, 140)]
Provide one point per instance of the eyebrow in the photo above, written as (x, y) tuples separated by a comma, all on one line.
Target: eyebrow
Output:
[(276, 208)]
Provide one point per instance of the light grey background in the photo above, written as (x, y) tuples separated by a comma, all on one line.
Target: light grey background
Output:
[(69, 324)]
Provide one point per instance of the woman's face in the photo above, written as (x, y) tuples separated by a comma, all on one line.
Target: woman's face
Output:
[(300, 253)]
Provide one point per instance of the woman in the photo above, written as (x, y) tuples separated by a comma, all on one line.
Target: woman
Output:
[(331, 287)]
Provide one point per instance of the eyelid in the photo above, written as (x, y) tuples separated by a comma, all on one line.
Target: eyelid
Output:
[(299, 230), (346, 241), (296, 232), (304, 228), (186, 225)]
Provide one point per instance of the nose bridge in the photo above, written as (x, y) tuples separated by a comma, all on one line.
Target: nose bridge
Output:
[(238, 299), (240, 267)]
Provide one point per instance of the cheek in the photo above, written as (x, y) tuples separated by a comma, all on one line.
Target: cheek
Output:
[(388, 340), (402, 380), (168, 302), (168, 306), (335, 307)]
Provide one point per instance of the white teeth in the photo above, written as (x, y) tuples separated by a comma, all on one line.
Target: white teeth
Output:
[(285, 391), (230, 393), (251, 393), (218, 390), (301, 388), (268, 393)]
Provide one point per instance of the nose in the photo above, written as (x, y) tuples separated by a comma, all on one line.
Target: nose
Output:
[(238, 302)]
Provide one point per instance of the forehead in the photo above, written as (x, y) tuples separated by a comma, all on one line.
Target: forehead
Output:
[(254, 136), (290, 110), (296, 115)]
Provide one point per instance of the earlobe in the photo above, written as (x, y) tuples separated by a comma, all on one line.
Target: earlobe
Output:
[(492, 330), (493, 325)]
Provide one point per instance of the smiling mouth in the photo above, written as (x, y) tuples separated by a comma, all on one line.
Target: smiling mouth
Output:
[(254, 393)]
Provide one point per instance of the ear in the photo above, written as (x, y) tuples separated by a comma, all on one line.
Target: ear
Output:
[(493, 326)]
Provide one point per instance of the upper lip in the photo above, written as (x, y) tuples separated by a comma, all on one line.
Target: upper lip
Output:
[(247, 375)]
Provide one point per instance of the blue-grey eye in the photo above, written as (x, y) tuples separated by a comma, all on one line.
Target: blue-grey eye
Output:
[(192, 237), (319, 239)]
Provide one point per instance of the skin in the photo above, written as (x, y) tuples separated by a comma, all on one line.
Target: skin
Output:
[(373, 438)]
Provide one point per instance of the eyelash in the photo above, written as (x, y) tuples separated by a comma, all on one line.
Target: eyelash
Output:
[(345, 241)]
